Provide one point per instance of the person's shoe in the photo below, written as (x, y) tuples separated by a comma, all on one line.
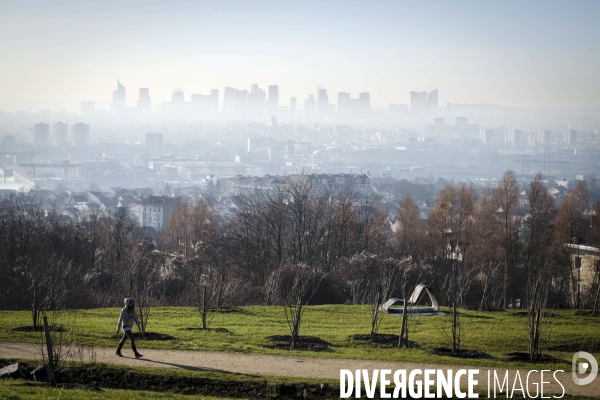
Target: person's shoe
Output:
[(138, 355), (119, 353)]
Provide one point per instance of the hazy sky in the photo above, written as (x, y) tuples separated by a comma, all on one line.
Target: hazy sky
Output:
[(513, 53)]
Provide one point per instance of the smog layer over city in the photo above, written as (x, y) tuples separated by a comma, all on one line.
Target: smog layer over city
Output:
[(259, 158)]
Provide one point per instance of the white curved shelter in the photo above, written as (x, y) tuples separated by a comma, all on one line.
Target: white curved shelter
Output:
[(412, 307)]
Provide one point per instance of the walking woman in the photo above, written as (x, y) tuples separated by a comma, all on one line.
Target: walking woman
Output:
[(127, 318)]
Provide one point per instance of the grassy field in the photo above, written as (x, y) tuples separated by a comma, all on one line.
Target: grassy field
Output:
[(495, 333), (19, 389)]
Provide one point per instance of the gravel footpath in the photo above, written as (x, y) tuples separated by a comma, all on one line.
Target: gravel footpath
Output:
[(306, 367)]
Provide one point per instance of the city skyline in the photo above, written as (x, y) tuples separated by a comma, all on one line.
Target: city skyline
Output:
[(473, 52)]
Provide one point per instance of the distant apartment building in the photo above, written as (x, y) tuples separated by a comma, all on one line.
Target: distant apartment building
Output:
[(544, 136), (571, 137), (61, 133), (461, 121), (514, 138), (41, 135), (156, 211), (81, 134), (487, 136)]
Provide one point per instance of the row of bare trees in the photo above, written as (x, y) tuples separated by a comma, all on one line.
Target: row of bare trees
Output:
[(498, 249)]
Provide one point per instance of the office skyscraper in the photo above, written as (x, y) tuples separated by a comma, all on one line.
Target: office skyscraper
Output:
[(118, 101), (256, 99), (177, 96), (144, 104), (364, 101), (310, 105), (228, 100), (418, 101), (432, 100), (41, 135), (273, 96), (81, 134), (207, 104), (293, 106), (214, 94), (344, 104), (322, 101), (240, 104)]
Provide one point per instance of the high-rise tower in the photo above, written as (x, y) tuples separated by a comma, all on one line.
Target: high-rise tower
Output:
[(432, 100), (118, 101), (144, 104)]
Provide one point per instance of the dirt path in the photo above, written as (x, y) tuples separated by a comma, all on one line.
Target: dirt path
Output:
[(307, 367)]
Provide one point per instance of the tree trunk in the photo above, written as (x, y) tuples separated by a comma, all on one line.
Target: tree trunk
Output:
[(296, 326), (485, 287), (220, 293), (455, 345), (375, 314), (535, 340), (595, 310), (141, 312), (403, 328), (204, 309), (34, 305), (50, 349), (505, 285)]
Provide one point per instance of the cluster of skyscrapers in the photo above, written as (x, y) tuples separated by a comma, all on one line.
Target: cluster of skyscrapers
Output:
[(257, 101)]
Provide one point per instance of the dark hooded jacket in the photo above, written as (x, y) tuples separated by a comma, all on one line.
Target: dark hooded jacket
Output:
[(128, 316)]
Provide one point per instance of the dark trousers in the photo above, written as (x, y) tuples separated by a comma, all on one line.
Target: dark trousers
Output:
[(128, 335)]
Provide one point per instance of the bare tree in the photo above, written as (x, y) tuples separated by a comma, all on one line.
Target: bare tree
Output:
[(506, 198), (539, 260), (451, 221), (487, 251), (411, 232), (296, 285), (569, 225)]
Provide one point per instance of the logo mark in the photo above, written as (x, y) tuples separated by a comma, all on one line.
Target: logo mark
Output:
[(583, 367)]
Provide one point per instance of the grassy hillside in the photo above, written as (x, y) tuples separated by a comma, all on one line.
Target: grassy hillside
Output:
[(494, 333)]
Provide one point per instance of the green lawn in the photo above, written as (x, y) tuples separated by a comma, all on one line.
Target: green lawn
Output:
[(20, 389), (495, 333)]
